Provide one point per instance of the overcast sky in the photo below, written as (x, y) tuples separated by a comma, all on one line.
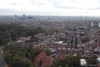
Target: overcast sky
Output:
[(50, 7)]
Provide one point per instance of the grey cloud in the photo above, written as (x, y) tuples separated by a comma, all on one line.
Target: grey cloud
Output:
[(54, 2), (5, 10), (8, 11), (94, 8), (67, 7), (13, 3), (98, 0), (57, 4), (35, 2), (39, 3)]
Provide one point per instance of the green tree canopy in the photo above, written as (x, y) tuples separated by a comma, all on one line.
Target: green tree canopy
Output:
[(66, 65)]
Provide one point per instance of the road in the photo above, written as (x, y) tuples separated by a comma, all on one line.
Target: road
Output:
[(1, 59), (74, 40)]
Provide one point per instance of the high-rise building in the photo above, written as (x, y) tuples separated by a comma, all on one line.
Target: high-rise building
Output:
[(15, 16), (24, 17), (98, 24), (91, 24)]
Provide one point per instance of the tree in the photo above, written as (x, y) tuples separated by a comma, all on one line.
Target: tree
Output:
[(33, 39), (0, 41), (42, 49), (66, 65), (63, 39), (14, 56), (71, 66), (86, 39), (66, 33), (16, 62), (24, 51), (78, 60), (81, 28), (48, 52), (20, 54), (91, 60), (81, 34), (11, 32), (72, 42), (74, 29), (7, 57), (73, 60), (21, 62), (53, 65), (27, 63), (32, 55), (57, 63), (75, 41), (37, 51)]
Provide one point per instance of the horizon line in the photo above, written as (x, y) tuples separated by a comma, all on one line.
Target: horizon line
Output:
[(50, 15)]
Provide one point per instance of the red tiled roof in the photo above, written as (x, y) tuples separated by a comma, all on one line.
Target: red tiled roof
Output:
[(61, 46), (96, 43), (86, 61), (23, 39), (61, 57), (84, 53), (11, 41), (99, 64), (38, 46), (69, 53), (75, 52), (63, 50), (47, 61), (41, 55)]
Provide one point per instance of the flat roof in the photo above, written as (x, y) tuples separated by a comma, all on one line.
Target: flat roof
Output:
[(98, 59), (83, 61), (60, 42)]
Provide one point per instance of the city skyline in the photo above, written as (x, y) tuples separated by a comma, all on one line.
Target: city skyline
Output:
[(50, 7)]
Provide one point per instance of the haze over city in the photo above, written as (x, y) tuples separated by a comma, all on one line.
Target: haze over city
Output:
[(50, 33), (50, 7)]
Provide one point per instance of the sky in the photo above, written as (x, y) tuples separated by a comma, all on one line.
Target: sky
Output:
[(50, 7)]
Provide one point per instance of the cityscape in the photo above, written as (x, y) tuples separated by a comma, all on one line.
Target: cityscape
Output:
[(50, 33), (47, 41)]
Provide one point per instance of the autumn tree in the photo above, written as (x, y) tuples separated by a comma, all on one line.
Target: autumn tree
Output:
[(7, 57)]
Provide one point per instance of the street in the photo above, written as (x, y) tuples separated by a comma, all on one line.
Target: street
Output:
[(1, 59), (74, 40)]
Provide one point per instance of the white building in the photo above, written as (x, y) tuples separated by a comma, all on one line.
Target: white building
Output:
[(60, 42), (91, 24), (83, 62), (98, 24)]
